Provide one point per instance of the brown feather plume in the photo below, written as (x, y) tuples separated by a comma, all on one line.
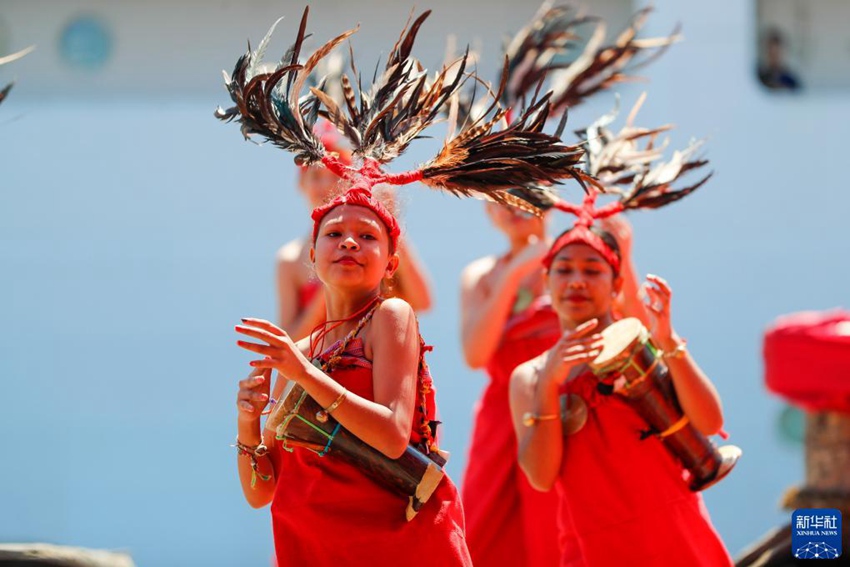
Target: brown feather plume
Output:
[(268, 103), (629, 163)]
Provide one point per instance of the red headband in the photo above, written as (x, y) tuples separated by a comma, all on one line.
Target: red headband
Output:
[(360, 193), (359, 197), (581, 233)]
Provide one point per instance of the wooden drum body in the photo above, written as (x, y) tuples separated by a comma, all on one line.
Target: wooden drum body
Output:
[(629, 361), (301, 422)]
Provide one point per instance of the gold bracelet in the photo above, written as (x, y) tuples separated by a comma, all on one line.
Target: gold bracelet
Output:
[(329, 410), (678, 352), (530, 419)]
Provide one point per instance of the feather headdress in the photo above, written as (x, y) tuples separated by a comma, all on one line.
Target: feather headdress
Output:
[(628, 164), (563, 50), (381, 120)]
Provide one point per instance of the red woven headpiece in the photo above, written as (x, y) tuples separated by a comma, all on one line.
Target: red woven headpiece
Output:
[(581, 233), (360, 193)]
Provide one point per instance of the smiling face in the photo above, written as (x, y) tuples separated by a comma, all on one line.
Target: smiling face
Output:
[(582, 284), (352, 249)]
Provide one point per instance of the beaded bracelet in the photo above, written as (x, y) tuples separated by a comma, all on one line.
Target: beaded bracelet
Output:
[(253, 452)]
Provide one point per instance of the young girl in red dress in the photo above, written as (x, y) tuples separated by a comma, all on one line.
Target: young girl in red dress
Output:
[(325, 511), (624, 499)]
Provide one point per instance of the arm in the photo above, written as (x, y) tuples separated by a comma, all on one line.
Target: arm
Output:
[(534, 388), (384, 423), (540, 447), (251, 399), (298, 320), (697, 395), (486, 305), (412, 281)]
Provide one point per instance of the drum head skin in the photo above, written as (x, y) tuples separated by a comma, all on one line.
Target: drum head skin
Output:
[(619, 340)]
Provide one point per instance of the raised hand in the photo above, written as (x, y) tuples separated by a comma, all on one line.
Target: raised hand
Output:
[(573, 349), (658, 294), (279, 351), (253, 394)]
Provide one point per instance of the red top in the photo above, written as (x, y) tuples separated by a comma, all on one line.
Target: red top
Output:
[(326, 512), (307, 292), (507, 521), (628, 499)]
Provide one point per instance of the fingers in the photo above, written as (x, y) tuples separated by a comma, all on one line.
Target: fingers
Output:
[(581, 330), (274, 339), (585, 356), (267, 363), (253, 381), (265, 325), (662, 284), (249, 399), (259, 349)]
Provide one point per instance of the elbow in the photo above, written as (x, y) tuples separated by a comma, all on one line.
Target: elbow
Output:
[(538, 481), (395, 446), (395, 449), (473, 358), (257, 501)]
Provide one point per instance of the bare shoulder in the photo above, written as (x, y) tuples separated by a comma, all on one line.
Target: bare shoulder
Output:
[(394, 312), (524, 376), (476, 271)]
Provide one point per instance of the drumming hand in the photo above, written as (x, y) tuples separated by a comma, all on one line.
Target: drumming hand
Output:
[(280, 351), (573, 349), (253, 394), (658, 304)]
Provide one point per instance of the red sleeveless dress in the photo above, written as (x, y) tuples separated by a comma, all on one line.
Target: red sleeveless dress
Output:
[(507, 521), (326, 512), (627, 499)]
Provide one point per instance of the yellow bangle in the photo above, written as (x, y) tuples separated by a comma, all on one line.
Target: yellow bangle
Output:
[(678, 352), (329, 410), (530, 419)]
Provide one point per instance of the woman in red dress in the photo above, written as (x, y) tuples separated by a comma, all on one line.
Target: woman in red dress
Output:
[(625, 499), (325, 511), (507, 318)]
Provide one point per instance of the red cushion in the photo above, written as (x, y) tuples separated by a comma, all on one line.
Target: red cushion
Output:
[(807, 359)]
